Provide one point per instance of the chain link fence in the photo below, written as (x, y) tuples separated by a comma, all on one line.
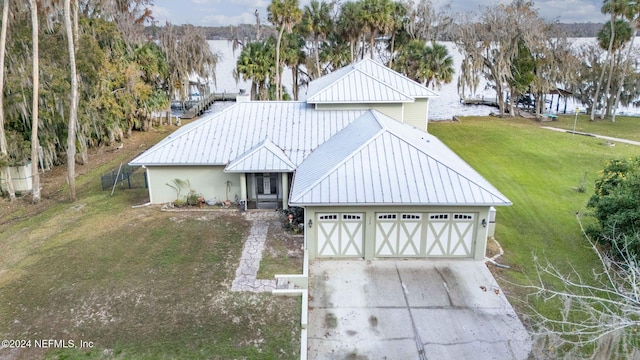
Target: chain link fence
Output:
[(125, 177)]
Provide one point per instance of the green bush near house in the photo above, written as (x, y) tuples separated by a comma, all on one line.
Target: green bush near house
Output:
[(616, 205)]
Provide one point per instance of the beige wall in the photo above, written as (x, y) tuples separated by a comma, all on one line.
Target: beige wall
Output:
[(210, 181), (415, 113), (480, 237), (394, 110)]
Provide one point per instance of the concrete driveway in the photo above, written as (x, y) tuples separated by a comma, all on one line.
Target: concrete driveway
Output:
[(410, 309)]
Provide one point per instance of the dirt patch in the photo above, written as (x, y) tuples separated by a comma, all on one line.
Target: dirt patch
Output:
[(493, 248), (283, 252)]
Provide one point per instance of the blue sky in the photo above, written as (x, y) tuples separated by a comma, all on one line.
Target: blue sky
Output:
[(233, 12)]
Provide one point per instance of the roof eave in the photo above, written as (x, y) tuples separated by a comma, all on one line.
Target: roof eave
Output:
[(302, 204), (249, 171), (173, 164), (363, 102)]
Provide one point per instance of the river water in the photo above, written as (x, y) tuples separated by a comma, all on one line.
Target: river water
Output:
[(444, 107)]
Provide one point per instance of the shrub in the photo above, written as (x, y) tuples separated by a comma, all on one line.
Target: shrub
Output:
[(616, 203), (297, 223)]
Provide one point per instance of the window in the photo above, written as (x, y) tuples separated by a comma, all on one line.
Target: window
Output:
[(351, 217), (439, 216), (411, 216), (387, 216), (329, 217), (462, 217)]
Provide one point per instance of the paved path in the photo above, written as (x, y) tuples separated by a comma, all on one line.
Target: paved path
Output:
[(626, 141), (246, 274)]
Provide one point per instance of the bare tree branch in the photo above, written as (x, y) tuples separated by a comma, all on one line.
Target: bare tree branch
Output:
[(600, 311)]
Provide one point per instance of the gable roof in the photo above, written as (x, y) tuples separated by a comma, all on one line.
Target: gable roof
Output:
[(295, 128), (379, 161), (366, 81), (264, 157)]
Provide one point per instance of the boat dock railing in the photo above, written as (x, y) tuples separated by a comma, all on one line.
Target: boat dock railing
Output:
[(197, 108)]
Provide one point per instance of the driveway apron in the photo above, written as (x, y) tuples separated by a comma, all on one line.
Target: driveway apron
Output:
[(411, 309)]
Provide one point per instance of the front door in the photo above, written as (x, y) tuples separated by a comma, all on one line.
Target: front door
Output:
[(267, 190)]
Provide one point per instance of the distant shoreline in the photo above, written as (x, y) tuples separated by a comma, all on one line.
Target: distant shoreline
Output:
[(247, 31)]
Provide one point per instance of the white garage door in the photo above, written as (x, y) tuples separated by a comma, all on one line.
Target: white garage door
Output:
[(340, 234), (450, 234), (424, 234), (398, 234)]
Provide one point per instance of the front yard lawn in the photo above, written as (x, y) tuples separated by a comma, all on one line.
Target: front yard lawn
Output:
[(132, 283)]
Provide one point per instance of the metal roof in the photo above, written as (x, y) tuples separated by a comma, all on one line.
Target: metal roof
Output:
[(366, 81), (220, 138), (379, 161), (264, 157)]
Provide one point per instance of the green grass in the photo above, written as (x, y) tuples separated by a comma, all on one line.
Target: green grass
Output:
[(137, 283), (625, 127), (539, 171)]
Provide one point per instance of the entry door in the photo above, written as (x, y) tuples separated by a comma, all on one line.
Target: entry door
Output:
[(340, 235), (267, 185)]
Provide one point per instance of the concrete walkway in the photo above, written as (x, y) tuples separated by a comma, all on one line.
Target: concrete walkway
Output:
[(626, 141), (246, 274)]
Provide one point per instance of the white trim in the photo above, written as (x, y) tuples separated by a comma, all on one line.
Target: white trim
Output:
[(146, 169)]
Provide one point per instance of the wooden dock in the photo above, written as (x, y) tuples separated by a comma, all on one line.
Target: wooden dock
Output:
[(480, 101), (225, 96), (197, 108)]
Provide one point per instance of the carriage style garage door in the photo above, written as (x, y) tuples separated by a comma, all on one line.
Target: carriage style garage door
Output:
[(397, 234), (340, 234), (424, 234)]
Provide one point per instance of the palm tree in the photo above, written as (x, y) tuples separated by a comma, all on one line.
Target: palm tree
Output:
[(283, 14), (336, 53), (409, 60), (622, 35), (255, 63), (4, 154), (73, 114), (614, 8), (350, 26), (398, 16), (34, 107), (428, 65), (317, 20), (294, 56), (632, 13), (377, 17), (439, 64)]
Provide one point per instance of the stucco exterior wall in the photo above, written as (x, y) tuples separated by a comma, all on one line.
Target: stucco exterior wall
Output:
[(311, 241), (210, 181)]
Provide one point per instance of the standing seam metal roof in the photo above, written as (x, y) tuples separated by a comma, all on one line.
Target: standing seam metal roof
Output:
[(218, 139), (347, 86), (264, 157), (392, 163)]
